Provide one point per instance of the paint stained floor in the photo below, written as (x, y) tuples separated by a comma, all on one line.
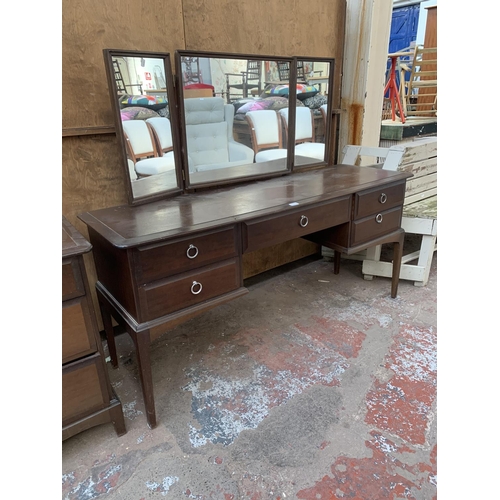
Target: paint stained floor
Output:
[(312, 386)]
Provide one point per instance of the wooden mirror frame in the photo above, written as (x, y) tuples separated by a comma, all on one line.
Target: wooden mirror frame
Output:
[(241, 173), (150, 187)]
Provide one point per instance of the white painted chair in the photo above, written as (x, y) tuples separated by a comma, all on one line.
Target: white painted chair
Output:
[(142, 149), (304, 133), (266, 134), (420, 206)]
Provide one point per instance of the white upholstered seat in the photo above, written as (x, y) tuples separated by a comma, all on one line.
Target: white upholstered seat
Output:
[(267, 135), (209, 134), (304, 133), (143, 151)]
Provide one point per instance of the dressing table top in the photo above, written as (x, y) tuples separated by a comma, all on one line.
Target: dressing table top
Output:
[(128, 226)]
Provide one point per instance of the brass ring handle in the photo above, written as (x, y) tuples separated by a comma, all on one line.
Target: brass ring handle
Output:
[(189, 252), (194, 285), (379, 218), (382, 198), (303, 221)]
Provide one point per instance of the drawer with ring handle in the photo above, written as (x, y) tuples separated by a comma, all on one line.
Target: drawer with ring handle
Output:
[(374, 201), (172, 294), (376, 225), (162, 260), (286, 226)]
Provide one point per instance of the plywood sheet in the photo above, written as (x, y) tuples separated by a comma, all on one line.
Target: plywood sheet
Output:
[(88, 27)]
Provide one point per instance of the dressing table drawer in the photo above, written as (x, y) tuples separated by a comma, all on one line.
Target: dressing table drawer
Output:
[(376, 225), (78, 338), (173, 294), (72, 283), (160, 261), (278, 229), (374, 201)]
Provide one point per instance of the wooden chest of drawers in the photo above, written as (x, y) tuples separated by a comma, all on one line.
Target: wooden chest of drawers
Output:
[(87, 396)]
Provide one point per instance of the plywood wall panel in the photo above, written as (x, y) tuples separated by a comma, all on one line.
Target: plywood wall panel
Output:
[(285, 27), (91, 177), (88, 27)]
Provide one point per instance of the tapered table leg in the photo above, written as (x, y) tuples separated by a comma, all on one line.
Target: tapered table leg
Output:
[(142, 342), (396, 264), (108, 328)]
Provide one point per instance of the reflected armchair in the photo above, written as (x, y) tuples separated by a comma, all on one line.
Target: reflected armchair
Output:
[(209, 135)]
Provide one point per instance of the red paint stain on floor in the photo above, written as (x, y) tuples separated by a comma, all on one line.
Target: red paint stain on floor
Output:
[(379, 477), (403, 405)]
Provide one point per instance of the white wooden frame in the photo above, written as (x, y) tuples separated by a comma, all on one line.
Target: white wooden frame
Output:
[(419, 211)]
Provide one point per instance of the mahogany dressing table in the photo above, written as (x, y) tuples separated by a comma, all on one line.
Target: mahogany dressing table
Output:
[(161, 263)]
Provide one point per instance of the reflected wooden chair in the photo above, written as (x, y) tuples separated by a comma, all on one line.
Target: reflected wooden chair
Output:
[(266, 132), (143, 150), (305, 144), (244, 81), (284, 71)]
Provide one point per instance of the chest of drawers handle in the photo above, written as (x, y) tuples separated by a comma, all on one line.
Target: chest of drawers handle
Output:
[(382, 198), (379, 218), (303, 221), (196, 287), (192, 252)]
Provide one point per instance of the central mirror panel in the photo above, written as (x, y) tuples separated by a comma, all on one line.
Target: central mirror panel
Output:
[(232, 127), (143, 101)]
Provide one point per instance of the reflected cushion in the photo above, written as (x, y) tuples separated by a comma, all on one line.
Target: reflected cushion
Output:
[(137, 113), (154, 102), (303, 91)]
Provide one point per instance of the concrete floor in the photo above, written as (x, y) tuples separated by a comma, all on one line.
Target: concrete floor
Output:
[(312, 386)]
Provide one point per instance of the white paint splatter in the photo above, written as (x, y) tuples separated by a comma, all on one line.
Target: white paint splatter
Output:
[(165, 485)]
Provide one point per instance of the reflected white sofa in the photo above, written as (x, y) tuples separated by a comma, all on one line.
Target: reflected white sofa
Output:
[(209, 135)]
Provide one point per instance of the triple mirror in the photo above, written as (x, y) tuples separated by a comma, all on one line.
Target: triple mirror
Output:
[(233, 118)]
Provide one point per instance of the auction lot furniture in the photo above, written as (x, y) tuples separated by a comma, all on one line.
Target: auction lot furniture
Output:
[(162, 263), (87, 396)]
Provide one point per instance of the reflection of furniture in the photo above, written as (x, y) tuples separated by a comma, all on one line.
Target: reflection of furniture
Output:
[(87, 396), (183, 256), (245, 81), (420, 206), (304, 133), (142, 148), (209, 135), (198, 90), (162, 132), (266, 135), (191, 70), (284, 71), (121, 87)]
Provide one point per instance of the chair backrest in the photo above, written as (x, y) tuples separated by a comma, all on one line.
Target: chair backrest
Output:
[(304, 124), (139, 140), (284, 71), (207, 130), (254, 70), (324, 112), (162, 132), (265, 129)]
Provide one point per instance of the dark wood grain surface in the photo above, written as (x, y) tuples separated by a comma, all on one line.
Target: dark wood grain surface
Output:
[(126, 226)]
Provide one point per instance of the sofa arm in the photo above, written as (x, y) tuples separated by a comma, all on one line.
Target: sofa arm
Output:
[(240, 152)]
